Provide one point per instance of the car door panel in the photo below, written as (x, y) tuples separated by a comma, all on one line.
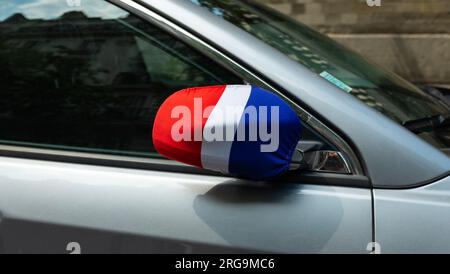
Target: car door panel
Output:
[(107, 209)]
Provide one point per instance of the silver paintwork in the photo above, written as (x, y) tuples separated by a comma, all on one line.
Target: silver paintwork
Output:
[(45, 205), (414, 220), (193, 210)]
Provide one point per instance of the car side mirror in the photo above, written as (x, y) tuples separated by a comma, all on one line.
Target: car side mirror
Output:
[(240, 130)]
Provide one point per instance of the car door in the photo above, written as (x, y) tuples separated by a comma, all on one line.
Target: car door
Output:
[(80, 87)]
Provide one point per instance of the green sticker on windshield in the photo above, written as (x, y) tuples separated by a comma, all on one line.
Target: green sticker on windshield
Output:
[(335, 81)]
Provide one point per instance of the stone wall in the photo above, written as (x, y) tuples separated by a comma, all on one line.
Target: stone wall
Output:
[(410, 37)]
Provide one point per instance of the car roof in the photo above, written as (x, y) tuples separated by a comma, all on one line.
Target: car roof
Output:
[(392, 156)]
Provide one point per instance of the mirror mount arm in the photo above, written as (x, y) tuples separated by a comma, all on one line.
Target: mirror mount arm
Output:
[(310, 156)]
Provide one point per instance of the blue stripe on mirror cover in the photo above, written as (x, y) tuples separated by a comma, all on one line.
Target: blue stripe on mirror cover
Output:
[(278, 134)]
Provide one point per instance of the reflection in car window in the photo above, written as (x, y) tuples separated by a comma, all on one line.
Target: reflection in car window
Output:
[(89, 77), (381, 90)]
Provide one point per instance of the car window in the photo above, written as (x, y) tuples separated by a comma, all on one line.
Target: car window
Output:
[(88, 76)]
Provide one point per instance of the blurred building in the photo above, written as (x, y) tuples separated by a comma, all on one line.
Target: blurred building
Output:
[(410, 37)]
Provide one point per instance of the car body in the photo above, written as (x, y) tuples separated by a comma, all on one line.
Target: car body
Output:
[(395, 195)]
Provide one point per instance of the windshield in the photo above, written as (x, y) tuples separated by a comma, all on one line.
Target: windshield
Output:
[(379, 89)]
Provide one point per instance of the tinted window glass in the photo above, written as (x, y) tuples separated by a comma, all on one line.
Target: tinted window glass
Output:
[(89, 76)]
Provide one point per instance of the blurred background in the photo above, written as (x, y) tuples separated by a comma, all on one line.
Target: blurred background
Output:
[(409, 37)]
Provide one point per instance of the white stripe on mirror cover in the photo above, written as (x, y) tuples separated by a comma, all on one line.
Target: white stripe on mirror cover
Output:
[(226, 114)]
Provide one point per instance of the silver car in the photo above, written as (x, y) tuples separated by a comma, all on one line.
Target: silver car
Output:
[(81, 82)]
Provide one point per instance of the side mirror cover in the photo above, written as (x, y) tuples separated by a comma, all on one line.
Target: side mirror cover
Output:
[(240, 130)]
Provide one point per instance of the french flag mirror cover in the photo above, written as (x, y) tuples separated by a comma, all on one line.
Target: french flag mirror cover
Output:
[(240, 130)]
